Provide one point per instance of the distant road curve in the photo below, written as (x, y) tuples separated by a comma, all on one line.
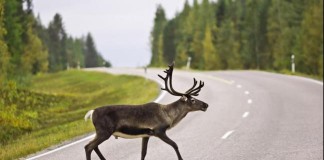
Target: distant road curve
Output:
[(253, 115)]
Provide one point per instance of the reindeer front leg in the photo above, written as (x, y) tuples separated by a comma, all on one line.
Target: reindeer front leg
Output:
[(162, 135)]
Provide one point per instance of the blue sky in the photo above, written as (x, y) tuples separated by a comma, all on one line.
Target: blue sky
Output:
[(121, 28)]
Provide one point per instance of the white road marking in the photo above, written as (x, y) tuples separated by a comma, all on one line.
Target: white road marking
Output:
[(62, 147), (249, 101), (247, 92), (246, 114), (161, 96), (239, 86), (227, 134), (219, 79), (309, 80)]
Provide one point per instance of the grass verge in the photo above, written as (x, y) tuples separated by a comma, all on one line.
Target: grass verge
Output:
[(51, 110)]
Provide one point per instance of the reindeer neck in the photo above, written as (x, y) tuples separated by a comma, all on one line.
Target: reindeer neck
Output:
[(176, 111)]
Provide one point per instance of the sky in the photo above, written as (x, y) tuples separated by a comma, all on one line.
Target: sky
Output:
[(120, 28)]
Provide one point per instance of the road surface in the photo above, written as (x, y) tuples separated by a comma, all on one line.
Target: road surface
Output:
[(252, 115)]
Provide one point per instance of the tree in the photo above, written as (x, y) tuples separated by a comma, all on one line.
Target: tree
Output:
[(34, 58), (248, 34), (27, 53), (75, 52), (284, 30), (211, 57), (91, 54), (228, 46), (184, 37), (312, 38), (169, 49), (157, 37), (57, 44), (197, 36), (13, 22), (4, 54)]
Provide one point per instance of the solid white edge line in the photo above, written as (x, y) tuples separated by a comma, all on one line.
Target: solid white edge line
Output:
[(162, 93), (227, 134), (309, 80), (62, 147), (160, 97), (245, 114)]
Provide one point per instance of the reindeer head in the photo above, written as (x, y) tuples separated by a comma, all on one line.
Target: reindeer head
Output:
[(187, 98)]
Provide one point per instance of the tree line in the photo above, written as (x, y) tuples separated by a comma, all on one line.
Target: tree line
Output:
[(28, 47), (242, 34)]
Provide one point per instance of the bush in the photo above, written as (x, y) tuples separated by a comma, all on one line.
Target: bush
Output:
[(20, 110)]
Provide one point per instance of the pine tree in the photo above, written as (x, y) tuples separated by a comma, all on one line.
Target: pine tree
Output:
[(160, 46), (248, 34), (211, 57), (228, 46), (169, 38), (183, 35), (312, 38), (34, 58), (283, 31), (4, 54), (196, 49), (91, 54), (157, 37), (220, 12), (57, 44), (197, 36), (13, 23)]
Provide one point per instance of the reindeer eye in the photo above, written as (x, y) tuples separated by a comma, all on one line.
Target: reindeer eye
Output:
[(193, 101)]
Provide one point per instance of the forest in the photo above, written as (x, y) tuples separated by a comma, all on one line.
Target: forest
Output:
[(28, 47), (242, 34)]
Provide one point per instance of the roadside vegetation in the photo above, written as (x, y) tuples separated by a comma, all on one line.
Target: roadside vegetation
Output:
[(51, 109), (242, 34)]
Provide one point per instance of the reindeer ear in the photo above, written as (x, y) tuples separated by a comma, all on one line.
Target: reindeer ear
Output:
[(184, 98)]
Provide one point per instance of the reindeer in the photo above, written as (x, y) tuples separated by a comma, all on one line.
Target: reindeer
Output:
[(144, 121)]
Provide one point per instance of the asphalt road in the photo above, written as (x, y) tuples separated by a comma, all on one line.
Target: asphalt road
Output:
[(251, 116)]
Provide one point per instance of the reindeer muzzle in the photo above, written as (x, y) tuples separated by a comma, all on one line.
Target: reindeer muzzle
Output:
[(204, 108)]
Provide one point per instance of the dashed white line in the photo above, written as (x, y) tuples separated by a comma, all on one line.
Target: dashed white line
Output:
[(227, 134), (249, 101), (246, 114), (247, 92), (239, 86)]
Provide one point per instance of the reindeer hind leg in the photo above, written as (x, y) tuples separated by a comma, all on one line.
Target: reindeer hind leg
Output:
[(93, 145)]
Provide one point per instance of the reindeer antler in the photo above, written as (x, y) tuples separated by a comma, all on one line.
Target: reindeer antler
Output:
[(191, 92), (169, 78), (194, 91)]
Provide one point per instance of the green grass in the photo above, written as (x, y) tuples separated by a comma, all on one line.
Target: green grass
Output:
[(52, 108)]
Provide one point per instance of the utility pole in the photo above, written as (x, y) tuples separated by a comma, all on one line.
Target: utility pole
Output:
[(293, 63), (78, 65), (67, 66), (188, 62)]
